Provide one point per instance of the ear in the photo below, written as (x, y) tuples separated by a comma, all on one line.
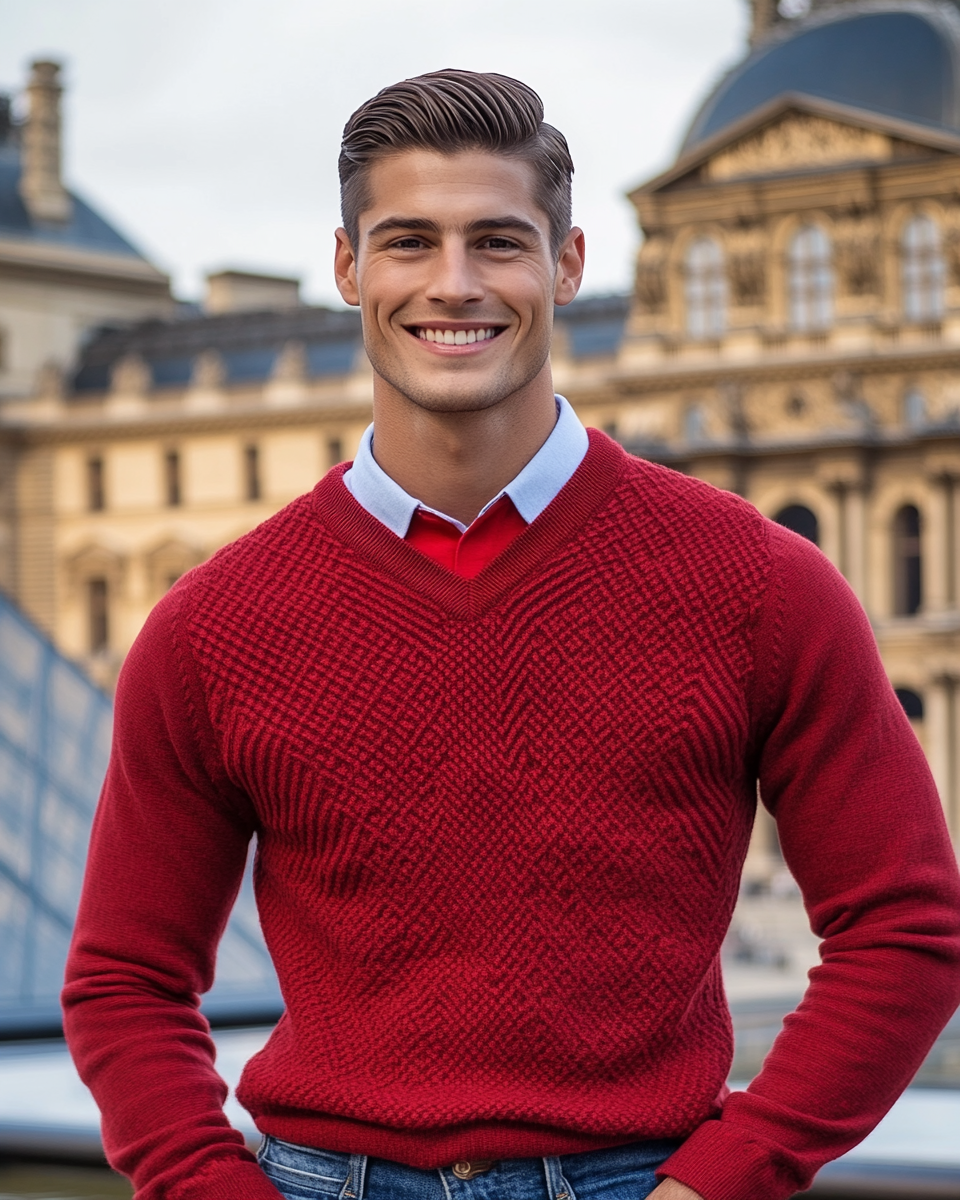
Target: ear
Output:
[(345, 268), (569, 267)]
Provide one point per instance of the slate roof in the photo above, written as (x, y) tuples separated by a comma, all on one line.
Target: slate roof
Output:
[(898, 58), (250, 342), (86, 229)]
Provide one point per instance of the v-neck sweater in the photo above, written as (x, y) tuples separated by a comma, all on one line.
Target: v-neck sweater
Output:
[(500, 827)]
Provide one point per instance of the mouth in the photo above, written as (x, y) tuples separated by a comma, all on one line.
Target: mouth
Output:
[(448, 334)]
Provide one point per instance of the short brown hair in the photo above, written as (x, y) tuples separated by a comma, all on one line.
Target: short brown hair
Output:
[(451, 111)]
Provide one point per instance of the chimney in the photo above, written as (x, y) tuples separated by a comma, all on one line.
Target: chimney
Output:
[(765, 16), (247, 291), (41, 187)]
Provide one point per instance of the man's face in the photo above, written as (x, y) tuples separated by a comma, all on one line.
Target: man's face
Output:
[(455, 278)]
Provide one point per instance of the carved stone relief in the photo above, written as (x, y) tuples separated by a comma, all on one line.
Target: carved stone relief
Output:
[(208, 370), (798, 140), (952, 254), (748, 277), (652, 277), (130, 376), (857, 260), (291, 362)]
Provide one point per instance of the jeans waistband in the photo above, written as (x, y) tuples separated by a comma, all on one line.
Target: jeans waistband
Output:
[(306, 1173)]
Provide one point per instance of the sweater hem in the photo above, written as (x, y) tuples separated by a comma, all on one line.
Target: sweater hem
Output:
[(428, 1149)]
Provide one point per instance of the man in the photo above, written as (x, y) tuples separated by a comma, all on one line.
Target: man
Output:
[(496, 701)]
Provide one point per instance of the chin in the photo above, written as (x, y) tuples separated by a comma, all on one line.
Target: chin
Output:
[(472, 400), (457, 393)]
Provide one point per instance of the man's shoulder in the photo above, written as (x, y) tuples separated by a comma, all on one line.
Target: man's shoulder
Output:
[(667, 506), (281, 552)]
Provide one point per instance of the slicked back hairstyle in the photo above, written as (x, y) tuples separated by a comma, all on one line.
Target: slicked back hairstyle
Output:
[(452, 111)]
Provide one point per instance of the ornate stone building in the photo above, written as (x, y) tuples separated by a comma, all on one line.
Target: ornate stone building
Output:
[(794, 335), (63, 269), (795, 330)]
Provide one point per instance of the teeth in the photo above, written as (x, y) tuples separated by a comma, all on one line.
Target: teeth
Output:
[(447, 337)]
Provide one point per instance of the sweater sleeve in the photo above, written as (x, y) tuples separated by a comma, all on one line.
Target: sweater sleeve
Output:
[(863, 832), (166, 858)]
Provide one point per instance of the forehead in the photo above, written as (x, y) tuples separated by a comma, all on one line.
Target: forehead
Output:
[(451, 187)]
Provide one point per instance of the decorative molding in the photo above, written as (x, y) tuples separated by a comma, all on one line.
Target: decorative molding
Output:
[(748, 277), (797, 141), (858, 265), (651, 286)]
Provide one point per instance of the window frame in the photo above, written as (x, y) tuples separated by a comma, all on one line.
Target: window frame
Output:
[(811, 281), (922, 270), (706, 289)]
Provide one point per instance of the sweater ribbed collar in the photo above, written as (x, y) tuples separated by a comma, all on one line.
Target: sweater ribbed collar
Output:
[(586, 490)]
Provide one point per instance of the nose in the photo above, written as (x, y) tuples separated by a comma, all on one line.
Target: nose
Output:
[(455, 279)]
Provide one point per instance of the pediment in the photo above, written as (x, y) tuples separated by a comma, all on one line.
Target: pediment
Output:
[(796, 142), (800, 133)]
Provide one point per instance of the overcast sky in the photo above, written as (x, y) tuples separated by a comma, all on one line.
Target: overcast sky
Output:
[(208, 130)]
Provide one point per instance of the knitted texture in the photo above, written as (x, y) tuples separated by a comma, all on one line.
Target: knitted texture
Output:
[(501, 823)]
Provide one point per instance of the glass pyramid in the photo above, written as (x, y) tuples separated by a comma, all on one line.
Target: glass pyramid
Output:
[(54, 745)]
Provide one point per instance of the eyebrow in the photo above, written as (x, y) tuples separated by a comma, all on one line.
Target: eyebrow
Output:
[(424, 225)]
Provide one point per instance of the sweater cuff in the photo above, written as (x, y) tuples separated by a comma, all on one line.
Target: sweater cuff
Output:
[(720, 1163), (229, 1179)]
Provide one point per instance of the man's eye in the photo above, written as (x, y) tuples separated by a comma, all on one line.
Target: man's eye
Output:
[(408, 243), (499, 243)]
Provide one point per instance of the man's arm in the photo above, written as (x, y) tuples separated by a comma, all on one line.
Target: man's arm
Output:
[(863, 833), (166, 858)]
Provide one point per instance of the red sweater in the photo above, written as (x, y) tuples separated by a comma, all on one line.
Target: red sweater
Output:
[(500, 824)]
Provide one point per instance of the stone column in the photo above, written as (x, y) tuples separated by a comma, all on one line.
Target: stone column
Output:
[(953, 550), (855, 542), (936, 551), (851, 549), (847, 478), (940, 716)]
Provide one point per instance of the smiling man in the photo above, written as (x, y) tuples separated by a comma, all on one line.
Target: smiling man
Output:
[(497, 701)]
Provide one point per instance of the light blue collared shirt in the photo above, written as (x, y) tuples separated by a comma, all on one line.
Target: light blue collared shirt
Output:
[(531, 491)]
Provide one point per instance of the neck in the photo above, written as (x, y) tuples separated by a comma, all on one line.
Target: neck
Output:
[(456, 462)]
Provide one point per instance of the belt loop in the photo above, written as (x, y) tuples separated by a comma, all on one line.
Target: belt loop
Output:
[(557, 1186), (356, 1177)]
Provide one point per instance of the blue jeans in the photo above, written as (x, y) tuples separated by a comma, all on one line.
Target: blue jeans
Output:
[(623, 1173)]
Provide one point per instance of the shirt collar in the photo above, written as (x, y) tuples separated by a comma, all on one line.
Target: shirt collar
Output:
[(530, 491)]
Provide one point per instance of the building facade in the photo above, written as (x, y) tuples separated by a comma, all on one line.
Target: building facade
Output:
[(793, 335), (795, 330), (64, 270)]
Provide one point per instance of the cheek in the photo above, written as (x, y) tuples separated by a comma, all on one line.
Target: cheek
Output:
[(384, 291)]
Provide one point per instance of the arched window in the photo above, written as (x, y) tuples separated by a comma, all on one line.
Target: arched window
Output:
[(706, 289), (922, 270), (810, 279), (907, 593), (801, 520), (910, 702)]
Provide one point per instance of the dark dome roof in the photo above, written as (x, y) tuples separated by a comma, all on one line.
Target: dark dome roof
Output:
[(898, 60), (85, 230)]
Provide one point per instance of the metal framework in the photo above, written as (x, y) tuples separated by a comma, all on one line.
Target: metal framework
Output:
[(54, 743)]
